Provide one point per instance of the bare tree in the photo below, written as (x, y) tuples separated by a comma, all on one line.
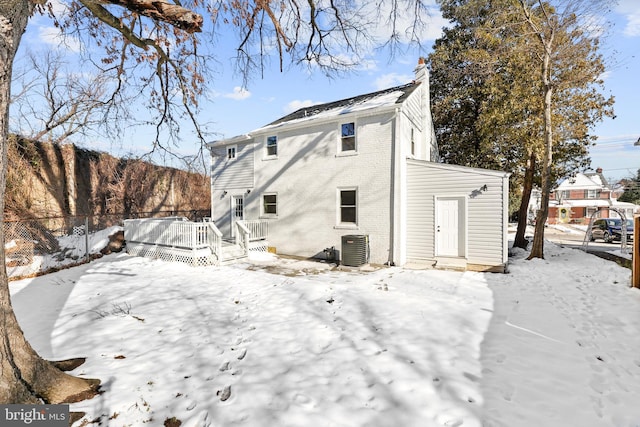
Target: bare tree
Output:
[(54, 103), (153, 46), (564, 33)]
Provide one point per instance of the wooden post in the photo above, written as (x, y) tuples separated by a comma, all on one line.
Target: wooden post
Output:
[(635, 270)]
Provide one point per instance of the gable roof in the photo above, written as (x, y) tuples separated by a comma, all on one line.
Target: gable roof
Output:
[(586, 181), (382, 98), (598, 177)]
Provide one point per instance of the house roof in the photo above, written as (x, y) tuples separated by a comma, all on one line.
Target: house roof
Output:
[(459, 168), (582, 203), (381, 98), (584, 181)]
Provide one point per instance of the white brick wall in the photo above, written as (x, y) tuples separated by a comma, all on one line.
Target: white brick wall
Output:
[(306, 177)]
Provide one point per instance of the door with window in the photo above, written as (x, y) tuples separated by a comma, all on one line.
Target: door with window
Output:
[(237, 212), (450, 229)]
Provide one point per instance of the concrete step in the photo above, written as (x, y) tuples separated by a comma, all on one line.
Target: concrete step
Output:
[(232, 253)]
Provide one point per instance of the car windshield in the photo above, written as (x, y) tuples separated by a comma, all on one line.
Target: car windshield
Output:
[(618, 223)]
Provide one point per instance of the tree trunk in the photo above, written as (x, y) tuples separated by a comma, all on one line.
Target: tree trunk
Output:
[(537, 249), (523, 213), (26, 377)]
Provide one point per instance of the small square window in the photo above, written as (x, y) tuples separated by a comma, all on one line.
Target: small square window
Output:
[(270, 204), (348, 137), (348, 205), (231, 152), (272, 146)]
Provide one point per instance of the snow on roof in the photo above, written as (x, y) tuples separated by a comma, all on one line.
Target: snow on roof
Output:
[(586, 202), (582, 181), (380, 99), (368, 102)]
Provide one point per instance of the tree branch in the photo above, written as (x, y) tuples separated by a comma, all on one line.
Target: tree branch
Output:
[(159, 10)]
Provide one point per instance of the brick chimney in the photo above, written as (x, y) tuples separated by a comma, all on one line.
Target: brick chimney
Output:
[(421, 70)]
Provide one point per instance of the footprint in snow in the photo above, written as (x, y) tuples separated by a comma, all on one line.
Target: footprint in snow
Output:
[(225, 393), (242, 354), (507, 391)]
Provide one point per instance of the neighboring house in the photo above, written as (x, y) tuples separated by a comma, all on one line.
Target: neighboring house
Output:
[(587, 194), (363, 166)]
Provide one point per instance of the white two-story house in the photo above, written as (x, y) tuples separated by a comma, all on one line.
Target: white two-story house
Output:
[(363, 166)]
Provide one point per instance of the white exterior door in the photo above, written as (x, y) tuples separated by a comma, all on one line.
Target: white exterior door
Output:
[(450, 226), (237, 212)]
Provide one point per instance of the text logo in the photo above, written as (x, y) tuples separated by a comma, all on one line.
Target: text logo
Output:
[(34, 415)]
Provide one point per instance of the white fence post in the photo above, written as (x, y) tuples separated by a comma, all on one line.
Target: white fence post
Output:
[(86, 237)]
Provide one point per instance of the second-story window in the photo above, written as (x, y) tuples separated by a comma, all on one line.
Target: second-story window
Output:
[(272, 146), (231, 152), (593, 194), (348, 137)]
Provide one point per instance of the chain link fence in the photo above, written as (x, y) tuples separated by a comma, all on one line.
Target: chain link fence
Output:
[(42, 245)]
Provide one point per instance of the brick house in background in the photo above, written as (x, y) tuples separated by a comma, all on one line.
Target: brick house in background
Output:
[(578, 197)]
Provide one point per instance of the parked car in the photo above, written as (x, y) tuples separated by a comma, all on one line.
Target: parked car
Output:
[(610, 229)]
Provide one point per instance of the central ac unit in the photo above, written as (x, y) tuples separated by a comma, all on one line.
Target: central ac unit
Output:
[(355, 250)]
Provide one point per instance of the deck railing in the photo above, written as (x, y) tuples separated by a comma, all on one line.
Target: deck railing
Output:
[(174, 233), (243, 236), (259, 229), (197, 243)]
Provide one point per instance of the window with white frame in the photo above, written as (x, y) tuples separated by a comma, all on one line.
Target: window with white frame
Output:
[(348, 209), (348, 137), (272, 146), (231, 152), (593, 194), (270, 204)]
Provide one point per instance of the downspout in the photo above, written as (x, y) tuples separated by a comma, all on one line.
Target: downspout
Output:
[(393, 197), (211, 181)]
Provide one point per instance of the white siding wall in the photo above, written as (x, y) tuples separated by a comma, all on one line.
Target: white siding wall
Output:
[(233, 177), (486, 210), (238, 173), (417, 115), (306, 176)]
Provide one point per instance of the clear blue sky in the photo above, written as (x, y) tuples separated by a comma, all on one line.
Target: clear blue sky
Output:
[(235, 110)]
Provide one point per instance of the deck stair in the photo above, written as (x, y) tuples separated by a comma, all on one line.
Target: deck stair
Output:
[(231, 253)]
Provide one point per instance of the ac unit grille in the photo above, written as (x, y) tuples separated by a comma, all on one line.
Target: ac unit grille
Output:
[(355, 250)]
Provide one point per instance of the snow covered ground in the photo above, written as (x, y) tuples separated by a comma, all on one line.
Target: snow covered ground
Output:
[(73, 250), (279, 342)]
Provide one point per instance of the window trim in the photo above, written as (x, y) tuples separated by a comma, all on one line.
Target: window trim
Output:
[(264, 214), (232, 149), (341, 139), (267, 147), (593, 194), (339, 206)]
